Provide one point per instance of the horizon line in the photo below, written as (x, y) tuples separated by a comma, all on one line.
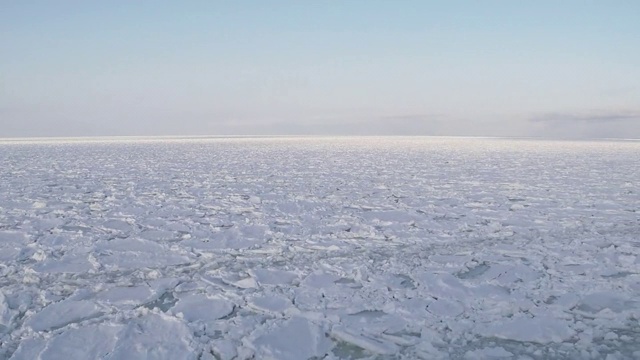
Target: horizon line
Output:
[(97, 138)]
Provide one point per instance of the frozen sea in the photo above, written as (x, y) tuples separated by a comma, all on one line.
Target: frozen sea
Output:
[(319, 248)]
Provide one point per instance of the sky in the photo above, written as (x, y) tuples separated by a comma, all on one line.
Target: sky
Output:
[(558, 69)]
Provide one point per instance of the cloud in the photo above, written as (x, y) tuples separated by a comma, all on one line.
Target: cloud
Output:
[(591, 124), (589, 117)]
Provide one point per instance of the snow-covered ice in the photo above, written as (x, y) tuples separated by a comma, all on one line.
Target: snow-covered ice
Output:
[(319, 248)]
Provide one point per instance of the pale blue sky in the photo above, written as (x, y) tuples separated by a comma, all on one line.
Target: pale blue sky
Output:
[(503, 68)]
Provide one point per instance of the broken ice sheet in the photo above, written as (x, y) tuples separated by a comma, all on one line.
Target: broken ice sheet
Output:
[(351, 247)]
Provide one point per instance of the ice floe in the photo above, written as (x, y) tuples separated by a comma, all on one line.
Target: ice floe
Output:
[(319, 248)]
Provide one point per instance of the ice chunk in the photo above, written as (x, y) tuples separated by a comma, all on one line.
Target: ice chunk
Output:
[(130, 244), (200, 307), (88, 342), (320, 280), (378, 346), (392, 216), (297, 338), (63, 313), (445, 307), (488, 353), (443, 285), (273, 277), (11, 244), (274, 304), (239, 281), (72, 264), (158, 235), (13, 238), (507, 274), (227, 239), (543, 330), (131, 253), (375, 322), (155, 336), (6, 314), (474, 272), (29, 349), (224, 350), (119, 225), (130, 295), (596, 302)]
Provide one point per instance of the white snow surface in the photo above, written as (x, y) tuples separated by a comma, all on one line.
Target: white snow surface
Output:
[(319, 248)]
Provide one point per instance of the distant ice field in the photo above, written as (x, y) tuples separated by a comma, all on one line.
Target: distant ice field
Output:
[(319, 248)]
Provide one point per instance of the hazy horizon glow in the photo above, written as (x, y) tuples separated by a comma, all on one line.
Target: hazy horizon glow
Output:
[(569, 69)]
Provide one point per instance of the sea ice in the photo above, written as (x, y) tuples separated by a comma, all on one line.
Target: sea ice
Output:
[(320, 248)]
